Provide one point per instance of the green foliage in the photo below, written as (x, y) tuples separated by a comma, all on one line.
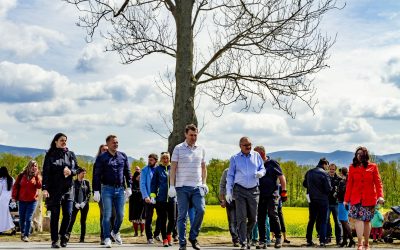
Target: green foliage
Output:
[(141, 163), (14, 163), (214, 172)]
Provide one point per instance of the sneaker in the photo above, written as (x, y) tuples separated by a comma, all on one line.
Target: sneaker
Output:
[(63, 241), (165, 243), (254, 243), (25, 239), (157, 238), (242, 246), (182, 247), (107, 243), (169, 239), (310, 244), (278, 243), (117, 237), (248, 246), (176, 238), (55, 244), (150, 241), (261, 245), (195, 244)]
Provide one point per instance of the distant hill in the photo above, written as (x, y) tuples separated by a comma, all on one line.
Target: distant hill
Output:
[(33, 152)]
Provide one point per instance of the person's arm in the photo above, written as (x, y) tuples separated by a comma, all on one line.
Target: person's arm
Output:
[(15, 188), (377, 182), (127, 172), (89, 192), (143, 182), (155, 184), (230, 176), (305, 183), (172, 173), (282, 181), (74, 164), (222, 188), (260, 168), (97, 172), (349, 186)]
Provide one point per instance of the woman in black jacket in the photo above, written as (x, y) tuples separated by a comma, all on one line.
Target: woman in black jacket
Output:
[(59, 166), (81, 202)]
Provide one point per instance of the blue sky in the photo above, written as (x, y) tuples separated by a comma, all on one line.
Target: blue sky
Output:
[(52, 80)]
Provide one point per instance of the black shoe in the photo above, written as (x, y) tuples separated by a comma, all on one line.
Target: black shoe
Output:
[(286, 241), (55, 244), (236, 244), (64, 241), (352, 243), (278, 243), (343, 244), (102, 242), (242, 246), (310, 244), (82, 240), (182, 247), (322, 244), (195, 244)]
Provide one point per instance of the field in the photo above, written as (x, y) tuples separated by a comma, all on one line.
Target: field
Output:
[(215, 221)]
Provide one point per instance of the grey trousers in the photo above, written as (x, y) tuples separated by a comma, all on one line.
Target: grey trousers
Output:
[(246, 201)]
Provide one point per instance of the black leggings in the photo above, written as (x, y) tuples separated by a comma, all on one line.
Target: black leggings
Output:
[(84, 213), (166, 210)]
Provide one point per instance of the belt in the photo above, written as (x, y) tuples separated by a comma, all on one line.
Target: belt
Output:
[(246, 188)]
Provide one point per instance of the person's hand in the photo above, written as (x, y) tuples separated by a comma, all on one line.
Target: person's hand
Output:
[(259, 174), (12, 205), (380, 200), (83, 204), (67, 172), (284, 196), (172, 191), (205, 187), (46, 194), (228, 198), (222, 203), (152, 200), (147, 200), (96, 196), (128, 192), (77, 205)]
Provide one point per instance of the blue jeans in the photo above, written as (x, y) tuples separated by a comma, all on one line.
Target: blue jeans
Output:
[(254, 235), (195, 196), (26, 210), (112, 197)]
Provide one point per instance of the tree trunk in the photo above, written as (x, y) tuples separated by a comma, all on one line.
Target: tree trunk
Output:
[(183, 112)]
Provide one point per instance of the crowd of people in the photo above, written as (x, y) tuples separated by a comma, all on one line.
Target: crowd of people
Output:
[(252, 190)]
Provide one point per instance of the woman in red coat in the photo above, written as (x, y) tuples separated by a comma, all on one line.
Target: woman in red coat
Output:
[(363, 192)]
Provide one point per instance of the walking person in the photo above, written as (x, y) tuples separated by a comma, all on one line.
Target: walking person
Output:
[(269, 198), (363, 191), (59, 167), (230, 209), (318, 184), (111, 175), (245, 170), (136, 205), (145, 188), (188, 178), (281, 218), (6, 183), (25, 191), (102, 149), (343, 211), (81, 202), (333, 203), (165, 205)]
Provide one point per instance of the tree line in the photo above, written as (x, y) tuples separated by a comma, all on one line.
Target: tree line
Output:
[(294, 173)]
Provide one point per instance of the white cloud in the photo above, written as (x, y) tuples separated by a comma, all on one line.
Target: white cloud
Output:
[(3, 136), (91, 58), (6, 5)]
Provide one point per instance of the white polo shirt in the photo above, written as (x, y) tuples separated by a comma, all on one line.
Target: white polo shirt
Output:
[(189, 159)]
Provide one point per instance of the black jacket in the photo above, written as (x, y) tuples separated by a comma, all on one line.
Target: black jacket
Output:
[(54, 180), (85, 186), (335, 180), (341, 189), (318, 184), (268, 183)]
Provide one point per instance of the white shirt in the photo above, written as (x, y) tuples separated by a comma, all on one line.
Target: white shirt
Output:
[(189, 160)]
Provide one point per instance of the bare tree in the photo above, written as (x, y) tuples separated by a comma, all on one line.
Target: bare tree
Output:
[(258, 50)]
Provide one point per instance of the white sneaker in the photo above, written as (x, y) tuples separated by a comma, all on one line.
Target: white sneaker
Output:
[(107, 243), (117, 237)]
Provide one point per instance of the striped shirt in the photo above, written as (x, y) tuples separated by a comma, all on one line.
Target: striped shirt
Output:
[(189, 160)]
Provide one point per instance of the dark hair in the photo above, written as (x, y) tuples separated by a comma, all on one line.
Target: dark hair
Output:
[(323, 161), (190, 127), (154, 156), (108, 138), (53, 142), (344, 171), (364, 158), (80, 170), (4, 174)]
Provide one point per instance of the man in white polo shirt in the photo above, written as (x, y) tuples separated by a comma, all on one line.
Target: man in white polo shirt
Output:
[(189, 174)]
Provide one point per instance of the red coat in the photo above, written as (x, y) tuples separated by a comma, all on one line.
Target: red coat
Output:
[(28, 189), (364, 185)]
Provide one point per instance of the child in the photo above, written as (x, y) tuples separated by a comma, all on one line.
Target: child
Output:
[(377, 223)]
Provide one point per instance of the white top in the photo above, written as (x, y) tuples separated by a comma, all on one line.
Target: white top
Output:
[(6, 222), (189, 160)]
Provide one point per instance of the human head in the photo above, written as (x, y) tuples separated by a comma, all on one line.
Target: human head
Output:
[(4, 174), (323, 163), (81, 172), (112, 143), (245, 145), (344, 171), (137, 169), (153, 158), (31, 168), (332, 169), (165, 158), (59, 141), (191, 134), (102, 148), (261, 151), (361, 157)]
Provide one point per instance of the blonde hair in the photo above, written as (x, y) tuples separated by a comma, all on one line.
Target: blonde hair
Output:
[(27, 170)]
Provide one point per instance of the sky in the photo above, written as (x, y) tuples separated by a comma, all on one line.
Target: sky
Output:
[(52, 80)]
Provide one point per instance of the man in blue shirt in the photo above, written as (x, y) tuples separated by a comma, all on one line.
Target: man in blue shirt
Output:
[(111, 173), (145, 189), (245, 169)]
